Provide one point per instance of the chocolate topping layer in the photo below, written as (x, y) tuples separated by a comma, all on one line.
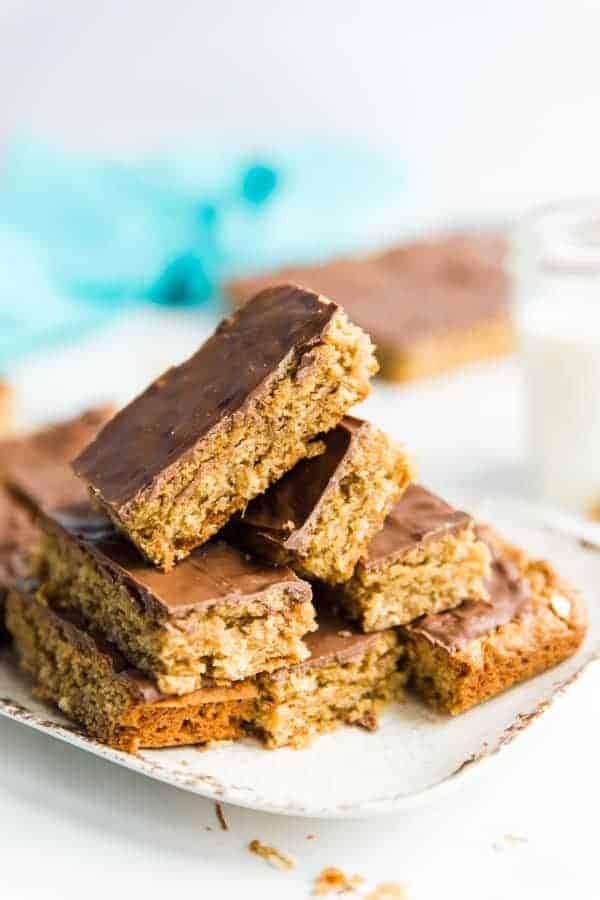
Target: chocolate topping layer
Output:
[(509, 594), (418, 517), (412, 291), (78, 633), (335, 641), (165, 423), (454, 254), (213, 574), (284, 513)]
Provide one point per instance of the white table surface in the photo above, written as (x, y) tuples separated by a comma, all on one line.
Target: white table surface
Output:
[(74, 826)]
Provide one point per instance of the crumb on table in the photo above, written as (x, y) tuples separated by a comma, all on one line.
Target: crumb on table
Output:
[(509, 840), (333, 881), (276, 858)]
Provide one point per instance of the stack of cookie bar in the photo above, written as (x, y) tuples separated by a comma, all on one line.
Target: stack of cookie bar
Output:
[(252, 559)]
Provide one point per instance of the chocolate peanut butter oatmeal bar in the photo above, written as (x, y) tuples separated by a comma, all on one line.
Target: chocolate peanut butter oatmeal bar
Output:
[(209, 435), (320, 517), (429, 306), (217, 615), (532, 621), (91, 682), (346, 679), (426, 558), (36, 465)]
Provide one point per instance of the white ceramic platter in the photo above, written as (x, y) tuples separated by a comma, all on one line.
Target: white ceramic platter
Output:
[(413, 756)]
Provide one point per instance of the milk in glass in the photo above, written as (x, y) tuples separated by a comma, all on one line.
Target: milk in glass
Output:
[(556, 265)]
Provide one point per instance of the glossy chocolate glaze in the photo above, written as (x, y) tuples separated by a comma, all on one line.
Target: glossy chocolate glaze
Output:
[(283, 514), (213, 574), (409, 292), (418, 517), (509, 594), (163, 425)]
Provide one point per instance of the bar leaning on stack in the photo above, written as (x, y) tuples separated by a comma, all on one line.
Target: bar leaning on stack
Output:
[(320, 517), (209, 435)]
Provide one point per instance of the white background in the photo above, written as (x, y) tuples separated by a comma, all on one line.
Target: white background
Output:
[(496, 106)]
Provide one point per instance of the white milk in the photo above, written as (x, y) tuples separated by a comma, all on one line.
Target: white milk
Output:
[(560, 339)]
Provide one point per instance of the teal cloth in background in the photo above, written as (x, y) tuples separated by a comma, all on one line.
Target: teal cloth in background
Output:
[(82, 239)]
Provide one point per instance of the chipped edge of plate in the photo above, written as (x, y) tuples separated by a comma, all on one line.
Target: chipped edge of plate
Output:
[(211, 788)]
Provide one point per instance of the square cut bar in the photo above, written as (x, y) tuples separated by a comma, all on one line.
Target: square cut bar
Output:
[(36, 464), (209, 435), (429, 306), (217, 615), (533, 621), (426, 558), (347, 679), (320, 517), (91, 683)]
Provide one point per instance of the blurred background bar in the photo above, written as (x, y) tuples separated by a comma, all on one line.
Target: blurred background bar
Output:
[(492, 102)]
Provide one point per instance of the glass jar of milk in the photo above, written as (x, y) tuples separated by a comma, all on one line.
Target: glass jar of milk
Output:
[(556, 266)]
